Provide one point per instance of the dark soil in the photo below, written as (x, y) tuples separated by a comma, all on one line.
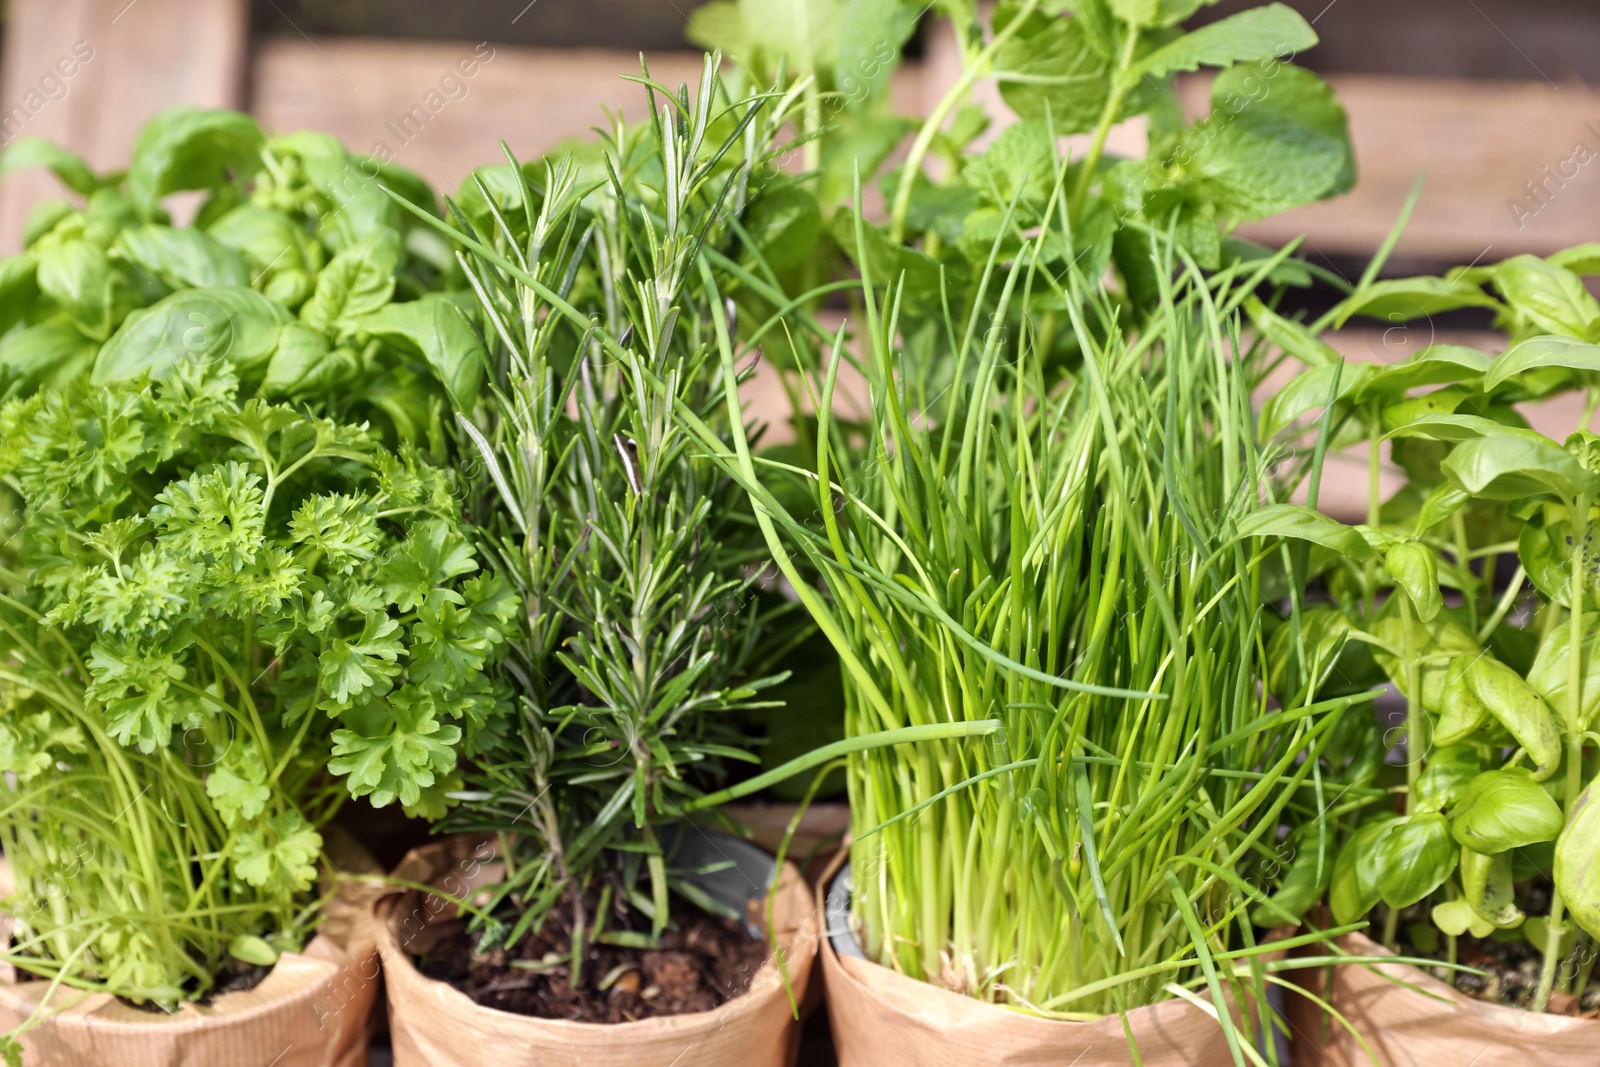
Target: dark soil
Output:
[(703, 963), (235, 976), (1511, 973)]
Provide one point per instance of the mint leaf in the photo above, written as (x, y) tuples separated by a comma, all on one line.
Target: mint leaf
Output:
[(1273, 142), (1256, 34)]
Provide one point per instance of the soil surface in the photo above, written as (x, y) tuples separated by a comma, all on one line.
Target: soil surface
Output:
[(1511, 974), (235, 976), (703, 962)]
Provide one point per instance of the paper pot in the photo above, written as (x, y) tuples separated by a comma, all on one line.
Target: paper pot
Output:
[(1409, 1028), (431, 1024), (882, 1018), (314, 1009)]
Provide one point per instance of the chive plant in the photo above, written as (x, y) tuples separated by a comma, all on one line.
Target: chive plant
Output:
[(1053, 552)]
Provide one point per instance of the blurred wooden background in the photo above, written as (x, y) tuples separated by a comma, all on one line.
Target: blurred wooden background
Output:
[(1497, 101)]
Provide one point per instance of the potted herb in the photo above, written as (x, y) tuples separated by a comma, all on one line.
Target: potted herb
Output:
[(1485, 855), (598, 921), (224, 615)]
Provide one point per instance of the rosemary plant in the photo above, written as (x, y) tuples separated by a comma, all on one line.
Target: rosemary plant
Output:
[(638, 566)]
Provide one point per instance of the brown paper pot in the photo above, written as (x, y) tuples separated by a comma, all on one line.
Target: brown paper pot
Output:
[(882, 1018), (312, 1010), (1407, 1028), (431, 1024)]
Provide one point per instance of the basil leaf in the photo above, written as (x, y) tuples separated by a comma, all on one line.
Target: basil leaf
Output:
[(1521, 710), (303, 366), (1510, 466), (1551, 673), (1444, 780), (1553, 297), (50, 354), (1504, 809), (1305, 524), (356, 282), (1549, 351), (77, 275), (269, 239), (195, 325), (436, 329), (1414, 569), (193, 148), (30, 151), (183, 258), (1354, 889), (1577, 869), (1414, 856), (1487, 886), (1403, 299)]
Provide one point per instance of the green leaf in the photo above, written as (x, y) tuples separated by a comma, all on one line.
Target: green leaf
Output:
[(304, 367), (1404, 299), (77, 275), (1551, 673), (1296, 894), (1583, 259), (30, 151), (1273, 142), (1453, 428), (50, 354), (1309, 391), (1354, 889), (1254, 34), (420, 569), (252, 949), (1442, 501), (1511, 466), (1301, 523), (1057, 67), (365, 665), (1547, 351), (1504, 809), (183, 258), (1294, 338), (1521, 710), (436, 329), (1414, 569), (1457, 917), (1414, 856), (1553, 297), (281, 855), (399, 764), (1487, 886), (356, 282), (238, 786), (234, 324), (269, 239), (1434, 365), (1444, 780), (1577, 869), (191, 148)]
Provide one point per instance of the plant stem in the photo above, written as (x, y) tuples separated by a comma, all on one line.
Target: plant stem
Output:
[(1108, 119), (930, 128), (1572, 725)]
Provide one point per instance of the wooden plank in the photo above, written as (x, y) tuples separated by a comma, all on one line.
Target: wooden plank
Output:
[(1511, 167), (441, 108), (414, 102), (128, 60)]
